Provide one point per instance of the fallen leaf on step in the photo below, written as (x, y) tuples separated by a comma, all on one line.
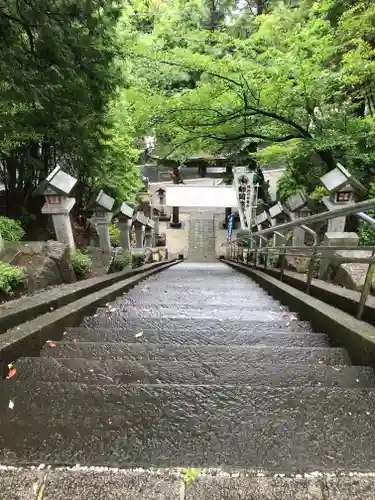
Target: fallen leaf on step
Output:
[(11, 405), (11, 373), (137, 335), (52, 344)]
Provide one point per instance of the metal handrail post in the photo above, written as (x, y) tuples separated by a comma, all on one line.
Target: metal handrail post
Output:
[(282, 262), (266, 240), (310, 270), (366, 288)]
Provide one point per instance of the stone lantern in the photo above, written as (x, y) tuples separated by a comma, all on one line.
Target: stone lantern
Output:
[(156, 217), (56, 189), (343, 189), (101, 206), (139, 223), (149, 233), (298, 209), (124, 216), (162, 198), (277, 215)]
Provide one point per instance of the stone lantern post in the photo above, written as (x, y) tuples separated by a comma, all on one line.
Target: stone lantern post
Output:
[(298, 209), (342, 188), (56, 189), (277, 216), (125, 215), (156, 216), (102, 206), (139, 223), (149, 233)]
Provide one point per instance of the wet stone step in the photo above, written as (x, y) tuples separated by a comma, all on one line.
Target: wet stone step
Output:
[(290, 429), (282, 338), (158, 324), (197, 353), (211, 305), (104, 372), (197, 314)]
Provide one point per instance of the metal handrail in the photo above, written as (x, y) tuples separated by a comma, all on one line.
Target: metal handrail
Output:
[(357, 208)]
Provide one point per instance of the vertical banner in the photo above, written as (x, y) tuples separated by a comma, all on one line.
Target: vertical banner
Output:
[(230, 227)]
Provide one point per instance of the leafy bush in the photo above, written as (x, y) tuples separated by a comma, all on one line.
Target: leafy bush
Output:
[(319, 193), (114, 235), (10, 277), (10, 229), (82, 263), (138, 259), (122, 259)]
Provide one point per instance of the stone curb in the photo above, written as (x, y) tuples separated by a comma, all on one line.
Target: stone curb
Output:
[(357, 337), (342, 298), (18, 311), (28, 338), (45, 483)]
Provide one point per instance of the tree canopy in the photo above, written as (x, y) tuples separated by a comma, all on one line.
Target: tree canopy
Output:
[(295, 79), (290, 83)]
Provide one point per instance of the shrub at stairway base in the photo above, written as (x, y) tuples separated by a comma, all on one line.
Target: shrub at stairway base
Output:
[(10, 278), (82, 264)]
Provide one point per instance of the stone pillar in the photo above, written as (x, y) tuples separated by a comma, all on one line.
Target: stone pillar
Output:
[(61, 220), (139, 234), (335, 239), (124, 225), (278, 241), (102, 227), (175, 218), (149, 237), (298, 233)]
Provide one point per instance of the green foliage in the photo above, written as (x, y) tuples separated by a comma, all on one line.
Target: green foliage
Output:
[(10, 229), (10, 277), (60, 99), (138, 259), (319, 193), (114, 235), (122, 260), (366, 232), (287, 185), (82, 263), (190, 475), (296, 80)]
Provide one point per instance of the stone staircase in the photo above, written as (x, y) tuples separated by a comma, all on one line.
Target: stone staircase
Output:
[(195, 367), (201, 237)]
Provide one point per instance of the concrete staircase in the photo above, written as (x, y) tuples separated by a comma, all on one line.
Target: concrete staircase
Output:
[(201, 237), (195, 367)]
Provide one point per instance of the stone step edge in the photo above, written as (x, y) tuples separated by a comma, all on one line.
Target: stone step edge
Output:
[(180, 472)]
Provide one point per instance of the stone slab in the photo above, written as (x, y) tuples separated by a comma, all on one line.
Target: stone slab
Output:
[(194, 353), (255, 488), (107, 485), (109, 320), (20, 484), (102, 372), (279, 337), (288, 430), (17, 311)]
